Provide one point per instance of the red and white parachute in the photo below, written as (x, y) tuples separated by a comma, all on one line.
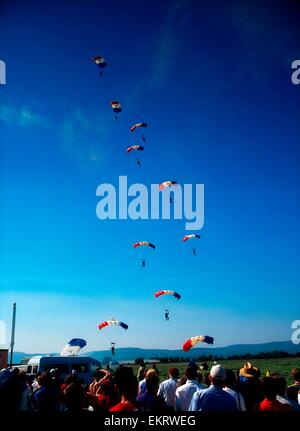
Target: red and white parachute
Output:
[(191, 342), (116, 106), (167, 292), (146, 243), (99, 61), (190, 236), (166, 184), (112, 322), (135, 147), (137, 125)]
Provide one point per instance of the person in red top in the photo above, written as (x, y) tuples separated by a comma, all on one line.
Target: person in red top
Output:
[(270, 403), (127, 385)]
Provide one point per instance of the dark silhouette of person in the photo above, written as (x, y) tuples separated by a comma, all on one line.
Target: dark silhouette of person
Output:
[(138, 162), (143, 138), (113, 349), (194, 252), (143, 263), (167, 314)]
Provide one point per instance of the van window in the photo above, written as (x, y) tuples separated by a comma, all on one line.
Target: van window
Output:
[(35, 369), (62, 368), (29, 369), (95, 366), (80, 368)]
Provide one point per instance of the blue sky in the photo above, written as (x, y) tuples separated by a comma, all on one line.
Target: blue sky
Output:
[(213, 81)]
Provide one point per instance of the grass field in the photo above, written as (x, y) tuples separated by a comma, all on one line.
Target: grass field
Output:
[(282, 366)]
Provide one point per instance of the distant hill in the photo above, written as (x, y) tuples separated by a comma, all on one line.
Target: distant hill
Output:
[(131, 353)]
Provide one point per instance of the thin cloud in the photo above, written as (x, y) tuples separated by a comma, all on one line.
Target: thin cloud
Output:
[(21, 116), (165, 52), (83, 137)]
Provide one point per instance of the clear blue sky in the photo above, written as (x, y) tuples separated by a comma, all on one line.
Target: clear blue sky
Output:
[(213, 81)]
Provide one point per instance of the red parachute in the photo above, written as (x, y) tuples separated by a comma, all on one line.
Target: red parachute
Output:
[(146, 243), (191, 342), (135, 147), (137, 125), (192, 235), (167, 292), (166, 184)]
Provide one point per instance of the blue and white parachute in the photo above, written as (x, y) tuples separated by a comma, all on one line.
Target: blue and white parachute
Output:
[(73, 347)]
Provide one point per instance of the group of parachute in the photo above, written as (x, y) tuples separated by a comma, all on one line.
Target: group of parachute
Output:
[(117, 108), (73, 347)]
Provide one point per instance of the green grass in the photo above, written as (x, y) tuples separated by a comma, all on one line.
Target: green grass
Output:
[(282, 366)]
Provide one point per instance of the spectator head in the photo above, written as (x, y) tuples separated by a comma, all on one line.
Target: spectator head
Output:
[(249, 372), (152, 384), (192, 364), (280, 384), (217, 375), (230, 378), (296, 374), (270, 388), (199, 376), (126, 383), (191, 373), (151, 372), (174, 373)]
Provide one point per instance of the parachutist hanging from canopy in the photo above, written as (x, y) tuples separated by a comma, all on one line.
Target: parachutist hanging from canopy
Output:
[(143, 263), (194, 252), (100, 62), (167, 314), (138, 162), (116, 107), (143, 138), (113, 348)]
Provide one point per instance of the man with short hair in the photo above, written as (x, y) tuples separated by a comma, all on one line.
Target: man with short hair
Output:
[(167, 388), (184, 393), (214, 398)]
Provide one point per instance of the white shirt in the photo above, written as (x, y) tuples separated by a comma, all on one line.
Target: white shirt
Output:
[(185, 393), (167, 390), (239, 399)]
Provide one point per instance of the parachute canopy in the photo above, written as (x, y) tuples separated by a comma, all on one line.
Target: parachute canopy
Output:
[(112, 322), (116, 106), (192, 235), (100, 61), (73, 347), (167, 292), (135, 147), (137, 125), (165, 184), (191, 342), (146, 243)]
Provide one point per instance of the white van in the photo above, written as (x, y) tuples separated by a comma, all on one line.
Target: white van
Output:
[(65, 364)]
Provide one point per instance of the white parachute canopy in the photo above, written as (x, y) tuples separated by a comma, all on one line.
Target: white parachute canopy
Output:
[(73, 347)]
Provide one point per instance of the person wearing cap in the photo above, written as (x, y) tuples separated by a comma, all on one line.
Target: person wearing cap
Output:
[(185, 392), (214, 398), (250, 386), (167, 388)]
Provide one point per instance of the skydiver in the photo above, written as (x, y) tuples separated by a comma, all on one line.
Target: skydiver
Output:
[(138, 162), (101, 74), (143, 138), (116, 118), (167, 314), (113, 349), (143, 263), (194, 252)]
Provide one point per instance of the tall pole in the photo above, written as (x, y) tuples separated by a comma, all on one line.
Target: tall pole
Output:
[(12, 340)]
